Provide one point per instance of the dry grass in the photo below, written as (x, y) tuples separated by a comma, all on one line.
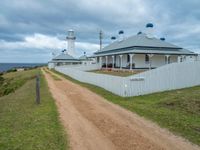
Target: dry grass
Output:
[(120, 73)]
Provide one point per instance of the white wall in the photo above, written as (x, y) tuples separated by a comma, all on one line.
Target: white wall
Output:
[(51, 65), (81, 67), (117, 61), (124, 61), (190, 58), (110, 60), (158, 60), (167, 77), (139, 60), (106, 81), (88, 62)]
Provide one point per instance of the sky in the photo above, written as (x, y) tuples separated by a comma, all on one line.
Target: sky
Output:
[(31, 30)]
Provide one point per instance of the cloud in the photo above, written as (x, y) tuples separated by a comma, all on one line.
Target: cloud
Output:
[(40, 44), (33, 26)]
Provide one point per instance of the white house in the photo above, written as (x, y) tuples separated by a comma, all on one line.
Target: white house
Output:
[(63, 59), (68, 57), (86, 60), (141, 51)]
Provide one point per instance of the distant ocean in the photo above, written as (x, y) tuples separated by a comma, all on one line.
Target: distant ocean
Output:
[(8, 66)]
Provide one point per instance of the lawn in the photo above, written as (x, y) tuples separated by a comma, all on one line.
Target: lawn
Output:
[(177, 110), (117, 72), (25, 125), (13, 80)]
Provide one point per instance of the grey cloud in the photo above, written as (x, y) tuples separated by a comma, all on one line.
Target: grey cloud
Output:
[(174, 20)]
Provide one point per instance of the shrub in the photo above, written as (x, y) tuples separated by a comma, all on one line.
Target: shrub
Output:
[(1, 79), (12, 70)]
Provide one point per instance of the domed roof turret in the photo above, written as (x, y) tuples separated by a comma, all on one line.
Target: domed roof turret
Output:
[(162, 39), (149, 25), (121, 32), (140, 32), (113, 38)]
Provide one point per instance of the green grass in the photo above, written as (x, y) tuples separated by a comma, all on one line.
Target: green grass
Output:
[(13, 80), (52, 75), (117, 72), (24, 125), (177, 110)]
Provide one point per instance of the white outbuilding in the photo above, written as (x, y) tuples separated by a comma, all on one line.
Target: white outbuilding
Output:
[(63, 59)]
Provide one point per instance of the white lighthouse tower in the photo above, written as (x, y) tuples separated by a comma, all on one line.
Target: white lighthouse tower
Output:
[(71, 43)]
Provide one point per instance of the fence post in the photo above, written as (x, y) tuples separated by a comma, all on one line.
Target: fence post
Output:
[(37, 89)]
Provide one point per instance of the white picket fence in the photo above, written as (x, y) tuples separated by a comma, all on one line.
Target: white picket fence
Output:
[(168, 77)]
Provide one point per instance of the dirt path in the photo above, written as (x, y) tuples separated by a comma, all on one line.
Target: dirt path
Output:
[(92, 123)]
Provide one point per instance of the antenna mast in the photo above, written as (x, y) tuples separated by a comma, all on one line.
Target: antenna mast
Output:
[(100, 39)]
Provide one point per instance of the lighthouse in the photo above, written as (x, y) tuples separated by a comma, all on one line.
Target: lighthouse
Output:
[(71, 43)]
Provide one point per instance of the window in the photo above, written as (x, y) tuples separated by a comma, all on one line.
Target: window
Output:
[(146, 59)]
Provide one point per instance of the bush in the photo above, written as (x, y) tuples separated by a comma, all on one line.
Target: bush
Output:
[(12, 70), (1, 79)]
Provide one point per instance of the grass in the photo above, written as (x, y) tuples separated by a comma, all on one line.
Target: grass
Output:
[(25, 125), (13, 80), (116, 72), (177, 110), (52, 75)]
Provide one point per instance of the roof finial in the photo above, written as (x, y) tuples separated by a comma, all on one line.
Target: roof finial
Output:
[(149, 25), (162, 39), (64, 51), (149, 30), (121, 35)]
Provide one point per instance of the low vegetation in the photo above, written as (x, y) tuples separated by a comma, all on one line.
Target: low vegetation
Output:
[(51, 74), (117, 72), (177, 110), (25, 125), (13, 80)]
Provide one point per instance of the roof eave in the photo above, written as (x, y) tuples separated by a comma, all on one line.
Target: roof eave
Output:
[(135, 51)]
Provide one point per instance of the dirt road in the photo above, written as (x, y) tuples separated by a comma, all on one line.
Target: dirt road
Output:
[(92, 123)]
